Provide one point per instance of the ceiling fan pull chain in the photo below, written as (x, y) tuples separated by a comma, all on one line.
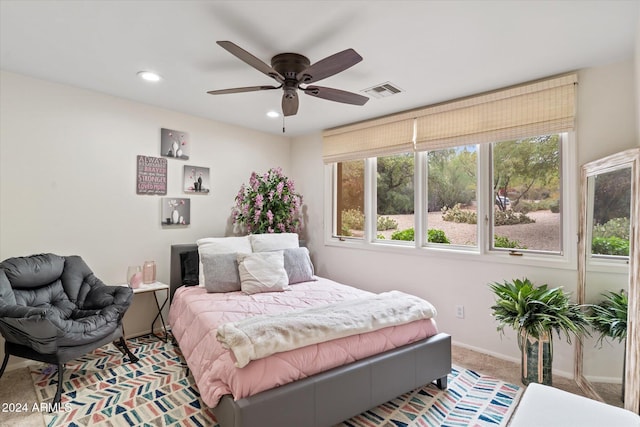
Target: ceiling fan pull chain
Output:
[(283, 123)]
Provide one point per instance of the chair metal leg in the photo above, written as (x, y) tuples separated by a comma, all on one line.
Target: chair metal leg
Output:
[(56, 399), (4, 363), (122, 346)]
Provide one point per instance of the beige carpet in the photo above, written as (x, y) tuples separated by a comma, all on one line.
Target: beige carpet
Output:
[(16, 386)]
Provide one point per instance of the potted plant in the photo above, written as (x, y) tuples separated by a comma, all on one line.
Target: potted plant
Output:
[(609, 318), (534, 312), (269, 204)]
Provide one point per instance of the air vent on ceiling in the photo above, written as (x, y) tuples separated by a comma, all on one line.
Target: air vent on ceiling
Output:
[(383, 90)]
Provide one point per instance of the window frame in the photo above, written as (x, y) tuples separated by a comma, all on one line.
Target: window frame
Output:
[(566, 259)]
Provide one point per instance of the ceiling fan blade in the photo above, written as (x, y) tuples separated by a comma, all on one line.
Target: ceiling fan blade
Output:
[(245, 56), (329, 66), (336, 95), (290, 103), (241, 89)]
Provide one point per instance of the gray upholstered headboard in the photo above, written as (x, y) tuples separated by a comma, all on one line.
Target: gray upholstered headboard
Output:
[(175, 275)]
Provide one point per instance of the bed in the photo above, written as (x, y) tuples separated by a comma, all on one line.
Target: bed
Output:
[(320, 396)]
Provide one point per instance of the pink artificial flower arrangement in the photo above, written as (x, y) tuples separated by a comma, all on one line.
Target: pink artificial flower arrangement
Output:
[(269, 204)]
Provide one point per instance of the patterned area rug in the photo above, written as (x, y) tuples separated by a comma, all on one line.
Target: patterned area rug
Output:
[(100, 390), (471, 399)]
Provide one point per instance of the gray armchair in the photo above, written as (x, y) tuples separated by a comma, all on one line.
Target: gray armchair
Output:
[(54, 309)]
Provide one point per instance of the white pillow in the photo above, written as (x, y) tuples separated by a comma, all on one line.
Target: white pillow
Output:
[(221, 245), (273, 241), (262, 272)]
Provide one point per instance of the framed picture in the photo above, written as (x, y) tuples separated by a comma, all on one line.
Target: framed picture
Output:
[(174, 143), (151, 175), (176, 211), (196, 180)]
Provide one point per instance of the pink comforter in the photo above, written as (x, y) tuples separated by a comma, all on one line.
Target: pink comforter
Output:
[(195, 316)]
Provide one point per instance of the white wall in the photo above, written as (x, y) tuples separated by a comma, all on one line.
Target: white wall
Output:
[(606, 124), (68, 179)]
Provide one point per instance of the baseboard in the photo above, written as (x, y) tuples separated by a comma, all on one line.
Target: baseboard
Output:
[(20, 365), (607, 380), (487, 352), (500, 356)]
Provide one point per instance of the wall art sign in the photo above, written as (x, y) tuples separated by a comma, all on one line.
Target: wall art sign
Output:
[(174, 143), (196, 180), (152, 175), (176, 211)]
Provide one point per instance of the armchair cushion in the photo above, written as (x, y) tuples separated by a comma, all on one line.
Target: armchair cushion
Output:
[(34, 271), (6, 292)]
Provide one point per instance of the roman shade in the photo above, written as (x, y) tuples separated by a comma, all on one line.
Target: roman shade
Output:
[(385, 136), (536, 108)]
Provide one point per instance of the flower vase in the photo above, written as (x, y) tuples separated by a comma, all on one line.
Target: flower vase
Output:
[(134, 276), (175, 147), (175, 216), (149, 272)]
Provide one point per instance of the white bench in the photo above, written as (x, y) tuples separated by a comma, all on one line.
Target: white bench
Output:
[(544, 406)]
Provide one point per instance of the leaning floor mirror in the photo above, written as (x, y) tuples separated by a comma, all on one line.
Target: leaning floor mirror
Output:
[(608, 363)]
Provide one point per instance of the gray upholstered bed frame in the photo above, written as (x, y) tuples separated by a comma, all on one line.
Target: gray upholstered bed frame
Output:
[(330, 397)]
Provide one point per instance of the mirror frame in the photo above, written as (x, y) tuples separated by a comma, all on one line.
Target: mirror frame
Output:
[(628, 158)]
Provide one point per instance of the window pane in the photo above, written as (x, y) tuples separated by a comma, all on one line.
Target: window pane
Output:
[(452, 200), (611, 213), (349, 201), (395, 197), (526, 194)]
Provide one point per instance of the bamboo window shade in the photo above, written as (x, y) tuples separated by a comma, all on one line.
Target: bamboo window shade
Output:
[(368, 139), (538, 108)]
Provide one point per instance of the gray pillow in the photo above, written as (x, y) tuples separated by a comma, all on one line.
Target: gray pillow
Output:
[(220, 272), (298, 266)]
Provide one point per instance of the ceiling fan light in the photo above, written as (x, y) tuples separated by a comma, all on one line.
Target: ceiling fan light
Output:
[(149, 76), (273, 114)]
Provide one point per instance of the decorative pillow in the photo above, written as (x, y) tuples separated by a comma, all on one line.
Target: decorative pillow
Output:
[(262, 272), (221, 245), (298, 266), (273, 241), (220, 272), (189, 270)]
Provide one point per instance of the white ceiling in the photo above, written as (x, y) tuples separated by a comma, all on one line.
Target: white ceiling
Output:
[(433, 50)]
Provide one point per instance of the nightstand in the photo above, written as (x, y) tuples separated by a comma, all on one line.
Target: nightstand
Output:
[(155, 287)]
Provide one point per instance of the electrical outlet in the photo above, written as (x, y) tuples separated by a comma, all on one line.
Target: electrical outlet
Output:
[(460, 311)]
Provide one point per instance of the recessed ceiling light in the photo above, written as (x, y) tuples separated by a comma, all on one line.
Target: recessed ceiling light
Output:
[(149, 76), (273, 114)]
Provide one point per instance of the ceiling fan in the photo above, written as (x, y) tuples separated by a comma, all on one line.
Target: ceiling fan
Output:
[(292, 70)]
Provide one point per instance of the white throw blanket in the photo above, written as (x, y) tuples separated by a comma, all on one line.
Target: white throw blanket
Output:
[(261, 336)]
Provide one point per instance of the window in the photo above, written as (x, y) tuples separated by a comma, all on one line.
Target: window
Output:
[(527, 194), (349, 199), (487, 174), (395, 197), (452, 196)]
